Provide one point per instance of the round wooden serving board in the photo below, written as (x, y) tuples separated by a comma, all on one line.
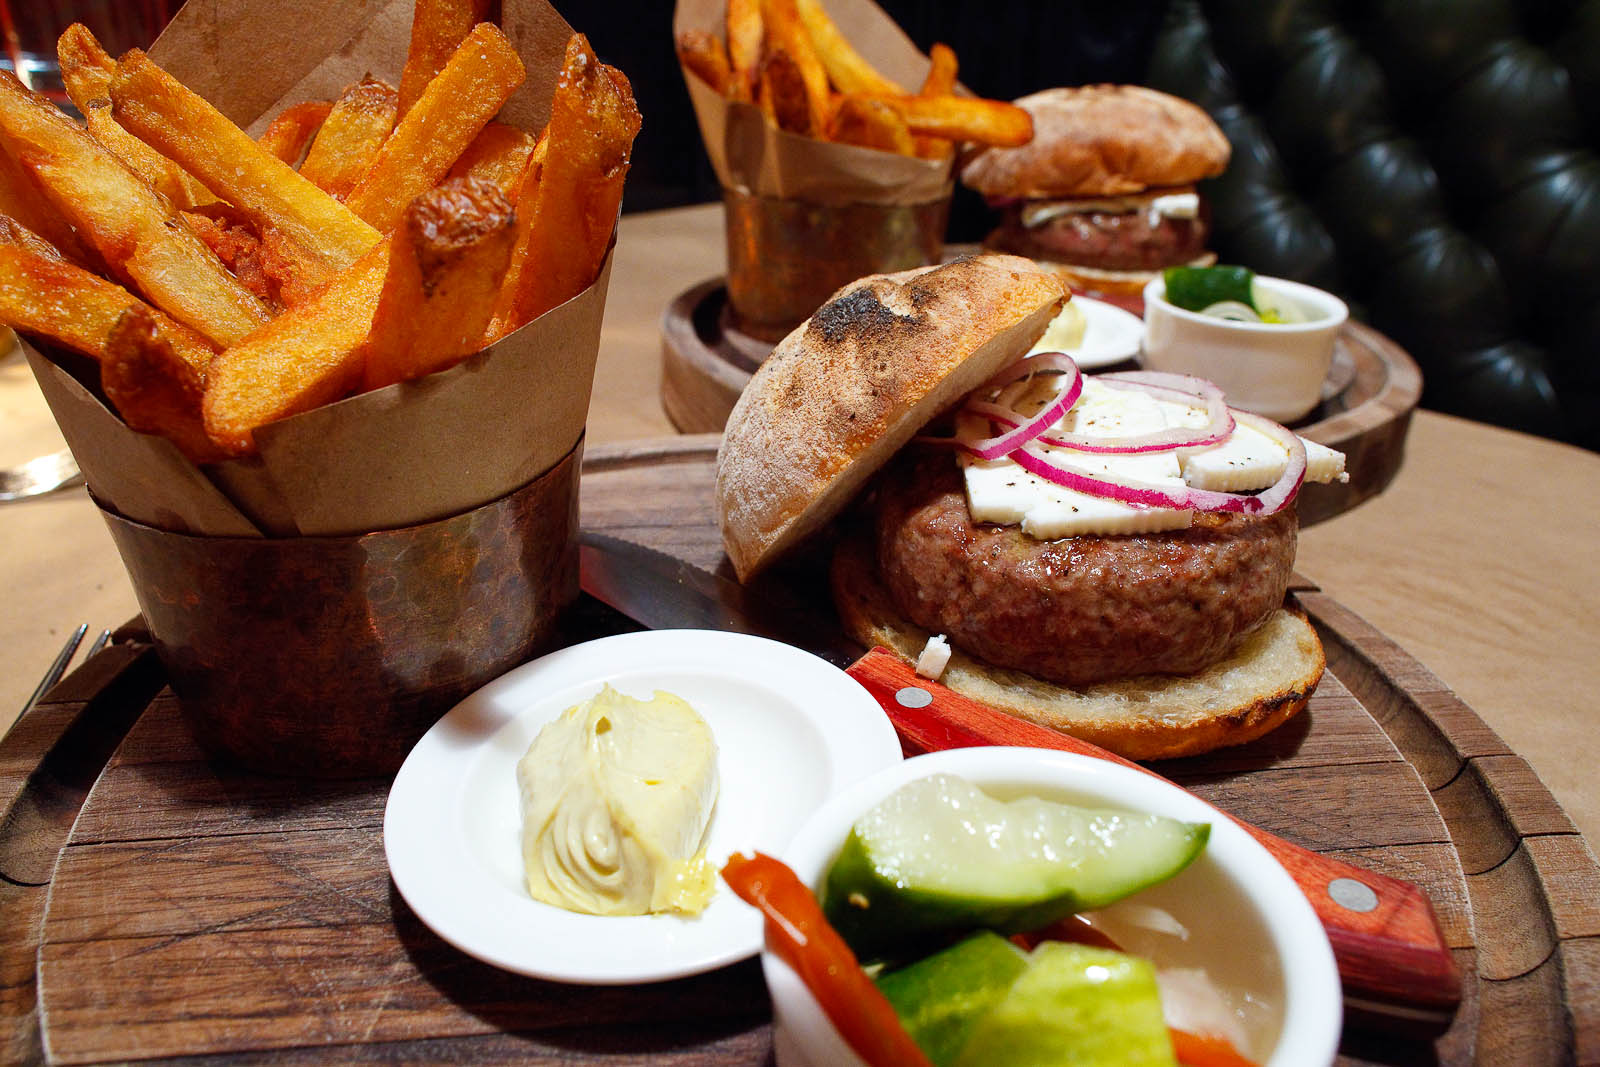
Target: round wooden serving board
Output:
[(158, 907), (1367, 400)]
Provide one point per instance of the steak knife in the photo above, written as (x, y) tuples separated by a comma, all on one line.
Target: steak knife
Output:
[(1395, 966)]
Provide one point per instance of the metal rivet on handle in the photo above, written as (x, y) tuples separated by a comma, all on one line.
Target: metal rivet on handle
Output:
[(1351, 894), (912, 697)]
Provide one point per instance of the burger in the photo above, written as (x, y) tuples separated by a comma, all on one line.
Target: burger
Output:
[(1104, 193), (1152, 625)]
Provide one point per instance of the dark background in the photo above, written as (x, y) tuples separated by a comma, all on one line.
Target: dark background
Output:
[(1006, 49)]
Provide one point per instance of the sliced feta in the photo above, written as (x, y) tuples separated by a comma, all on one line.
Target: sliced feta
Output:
[(935, 657), (1249, 459)]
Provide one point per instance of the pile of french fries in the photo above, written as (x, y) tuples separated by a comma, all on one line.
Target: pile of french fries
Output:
[(791, 60), (224, 282)]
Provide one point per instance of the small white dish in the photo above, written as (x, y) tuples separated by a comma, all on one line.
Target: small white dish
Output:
[(1248, 923), (1110, 334), (1272, 369), (792, 730)]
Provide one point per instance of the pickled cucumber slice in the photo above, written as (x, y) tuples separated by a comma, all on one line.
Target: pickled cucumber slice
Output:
[(1074, 1006), (938, 854), (940, 998), (1197, 288)]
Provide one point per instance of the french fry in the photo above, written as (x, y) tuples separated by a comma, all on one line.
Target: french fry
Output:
[(785, 31), (445, 265), (939, 81), (499, 154), (705, 57), (306, 357), (181, 125), (22, 199), (41, 293), (86, 68), (437, 29), (941, 77), (430, 137), (964, 118), (349, 140), (152, 387), (781, 94), (872, 124), (567, 207), (287, 135), (278, 271), (134, 229), (159, 172), (746, 35), (846, 68)]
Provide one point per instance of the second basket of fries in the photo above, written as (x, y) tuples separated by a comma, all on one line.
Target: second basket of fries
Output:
[(834, 140), (319, 322)]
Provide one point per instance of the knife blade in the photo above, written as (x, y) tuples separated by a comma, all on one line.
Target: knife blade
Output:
[(1396, 968)]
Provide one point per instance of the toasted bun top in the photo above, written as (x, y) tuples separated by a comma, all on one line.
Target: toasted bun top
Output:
[(844, 391), (1102, 140)]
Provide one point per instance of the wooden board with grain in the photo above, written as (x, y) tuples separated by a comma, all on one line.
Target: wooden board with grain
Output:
[(157, 907), (1367, 399)]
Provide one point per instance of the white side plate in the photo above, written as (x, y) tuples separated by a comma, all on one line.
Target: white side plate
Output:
[(791, 731)]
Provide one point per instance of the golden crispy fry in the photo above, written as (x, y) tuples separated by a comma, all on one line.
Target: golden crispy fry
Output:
[(746, 40), (567, 207), (704, 56), (940, 81), (22, 199), (181, 125), (287, 135), (785, 31), (499, 154), (781, 93), (941, 77), (964, 118), (477, 80), (343, 151), (86, 68), (437, 29), (159, 172), (846, 68), (278, 271), (135, 230), (152, 387), (306, 357), (445, 266), (871, 124), (44, 295)]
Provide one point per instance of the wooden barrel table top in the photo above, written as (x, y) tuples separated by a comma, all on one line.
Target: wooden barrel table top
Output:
[(159, 907)]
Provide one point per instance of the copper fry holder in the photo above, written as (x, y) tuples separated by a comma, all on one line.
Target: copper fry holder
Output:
[(330, 656)]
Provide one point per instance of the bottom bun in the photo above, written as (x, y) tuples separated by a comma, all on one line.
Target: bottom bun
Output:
[(1265, 680)]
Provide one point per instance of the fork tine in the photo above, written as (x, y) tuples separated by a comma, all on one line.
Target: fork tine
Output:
[(57, 668)]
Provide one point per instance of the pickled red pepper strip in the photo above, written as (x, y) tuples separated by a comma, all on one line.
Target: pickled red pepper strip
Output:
[(1203, 1050), (800, 934)]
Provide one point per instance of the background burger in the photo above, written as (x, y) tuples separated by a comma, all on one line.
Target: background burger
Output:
[(1153, 640), (1104, 192)]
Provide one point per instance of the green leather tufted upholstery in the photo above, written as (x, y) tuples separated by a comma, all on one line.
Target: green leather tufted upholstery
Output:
[(1433, 161)]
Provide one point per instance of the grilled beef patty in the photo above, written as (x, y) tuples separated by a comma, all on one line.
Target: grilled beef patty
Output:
[(1078, 610)]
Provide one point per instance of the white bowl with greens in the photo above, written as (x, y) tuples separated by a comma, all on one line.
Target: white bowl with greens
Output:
[(1227, 945), (1266, 342)]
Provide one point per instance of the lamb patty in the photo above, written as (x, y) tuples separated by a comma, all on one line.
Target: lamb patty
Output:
[(1078, 610)]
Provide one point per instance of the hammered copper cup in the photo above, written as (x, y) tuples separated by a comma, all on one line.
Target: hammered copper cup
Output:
[(785, 257), (331, 656)]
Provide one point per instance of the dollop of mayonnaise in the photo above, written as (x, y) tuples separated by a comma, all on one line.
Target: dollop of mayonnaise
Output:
[(616, 797)]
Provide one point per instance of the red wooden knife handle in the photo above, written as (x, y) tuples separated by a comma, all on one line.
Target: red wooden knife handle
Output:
[(1393, 961)]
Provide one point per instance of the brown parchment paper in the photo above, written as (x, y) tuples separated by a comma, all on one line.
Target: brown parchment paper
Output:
[(752, 157), (394, 457)]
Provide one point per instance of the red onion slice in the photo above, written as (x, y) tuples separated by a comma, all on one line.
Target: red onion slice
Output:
[(1219, 425), (1025, 430)]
